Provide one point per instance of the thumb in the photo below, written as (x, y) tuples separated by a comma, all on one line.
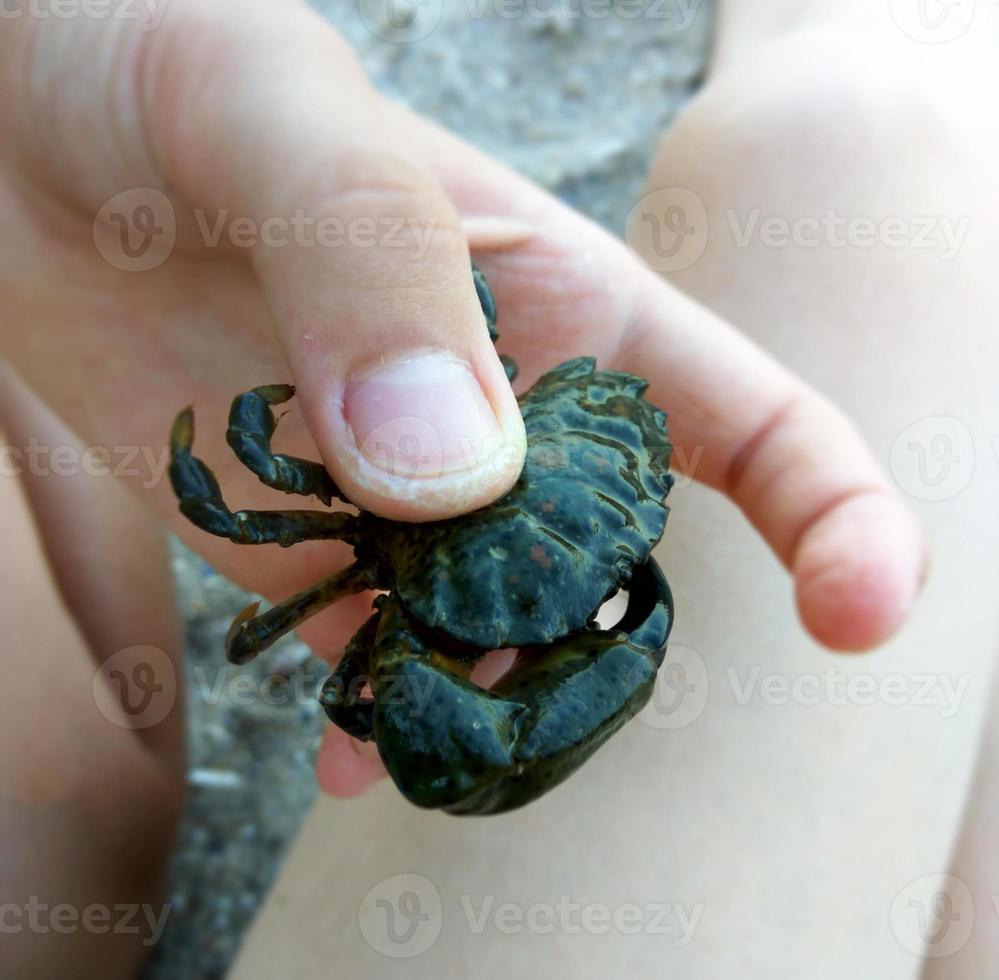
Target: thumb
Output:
[(260, 111)]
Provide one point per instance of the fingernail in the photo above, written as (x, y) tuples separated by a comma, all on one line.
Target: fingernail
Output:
[(422, 416)]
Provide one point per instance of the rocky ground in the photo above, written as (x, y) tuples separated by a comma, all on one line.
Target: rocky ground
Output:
[(572, 93)]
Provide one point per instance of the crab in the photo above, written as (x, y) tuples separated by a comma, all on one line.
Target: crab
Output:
[(530, 571)]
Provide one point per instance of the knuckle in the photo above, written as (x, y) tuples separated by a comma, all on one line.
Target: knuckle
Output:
[(860, 92), (369, 178), (380, 197)]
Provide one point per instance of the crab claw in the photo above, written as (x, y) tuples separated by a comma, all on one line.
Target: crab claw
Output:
[(451, 745), (237, 649)]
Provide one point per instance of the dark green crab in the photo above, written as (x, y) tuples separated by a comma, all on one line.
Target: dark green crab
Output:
[(529, 571)]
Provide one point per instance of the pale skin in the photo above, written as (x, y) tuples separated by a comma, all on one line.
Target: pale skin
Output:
[(222, 133)]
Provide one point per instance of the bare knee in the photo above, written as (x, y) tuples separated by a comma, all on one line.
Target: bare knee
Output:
[(817, 110), (818, 141)]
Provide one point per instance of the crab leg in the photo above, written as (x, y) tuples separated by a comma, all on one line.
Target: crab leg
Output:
[(251, 426), (251, 634), (488, 303), (201, 502)]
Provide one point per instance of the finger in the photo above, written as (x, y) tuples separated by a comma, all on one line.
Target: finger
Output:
[(795, 465), (740, 422), (260, 111), (346, 767)]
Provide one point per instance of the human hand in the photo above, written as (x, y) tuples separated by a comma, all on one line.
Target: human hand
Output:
[(260, 109)]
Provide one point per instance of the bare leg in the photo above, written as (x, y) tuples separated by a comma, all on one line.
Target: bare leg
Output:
[(971, 940), (779, 813), (89, 795)]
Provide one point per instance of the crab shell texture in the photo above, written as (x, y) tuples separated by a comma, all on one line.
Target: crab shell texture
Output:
[(538, 563)]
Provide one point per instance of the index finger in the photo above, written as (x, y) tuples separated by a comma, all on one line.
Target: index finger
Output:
[(795, 465)]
